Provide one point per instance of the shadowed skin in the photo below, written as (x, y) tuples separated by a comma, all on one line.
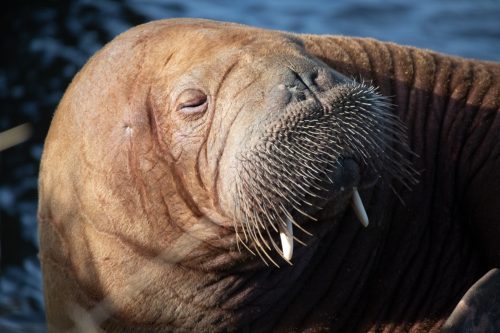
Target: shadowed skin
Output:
[(138, 206)]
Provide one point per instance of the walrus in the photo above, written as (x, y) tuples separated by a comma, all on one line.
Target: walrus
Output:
[(202, 176)]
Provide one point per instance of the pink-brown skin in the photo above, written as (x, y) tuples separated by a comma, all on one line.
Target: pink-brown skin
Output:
[(136, 204)]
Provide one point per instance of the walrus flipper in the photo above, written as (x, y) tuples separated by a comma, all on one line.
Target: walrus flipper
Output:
[(479, 308)]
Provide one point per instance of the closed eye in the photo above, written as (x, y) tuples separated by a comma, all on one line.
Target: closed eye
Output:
[(199, 101), (192, 102)]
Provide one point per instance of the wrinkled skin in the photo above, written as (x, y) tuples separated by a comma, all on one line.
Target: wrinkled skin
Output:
[(140, 209)]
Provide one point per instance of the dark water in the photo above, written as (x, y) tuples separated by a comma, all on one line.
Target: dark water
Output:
[(44, 43)]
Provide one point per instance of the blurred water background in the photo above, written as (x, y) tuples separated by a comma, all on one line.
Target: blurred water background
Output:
[(44, 43)]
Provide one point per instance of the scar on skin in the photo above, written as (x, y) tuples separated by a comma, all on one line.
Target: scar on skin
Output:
[(128, 129)]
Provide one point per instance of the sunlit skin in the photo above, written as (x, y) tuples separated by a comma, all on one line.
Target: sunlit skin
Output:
[(186, 153)]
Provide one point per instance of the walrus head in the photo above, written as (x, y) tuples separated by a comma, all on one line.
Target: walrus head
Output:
[(188, 146), (273, 135)]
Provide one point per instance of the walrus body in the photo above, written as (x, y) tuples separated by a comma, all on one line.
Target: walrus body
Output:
[(187, 156)]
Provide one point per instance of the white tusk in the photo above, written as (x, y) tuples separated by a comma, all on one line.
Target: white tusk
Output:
[(358, 207), (287, 240)]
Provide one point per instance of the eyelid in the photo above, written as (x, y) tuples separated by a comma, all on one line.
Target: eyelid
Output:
[(194, 102)]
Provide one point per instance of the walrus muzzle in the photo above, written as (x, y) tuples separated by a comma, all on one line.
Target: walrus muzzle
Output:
[(333, 136)]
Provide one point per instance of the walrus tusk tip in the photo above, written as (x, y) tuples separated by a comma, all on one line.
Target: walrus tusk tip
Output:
[(286, 237), (358, 207)]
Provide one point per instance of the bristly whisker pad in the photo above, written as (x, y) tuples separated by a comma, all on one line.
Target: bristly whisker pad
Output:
[(291, 171)]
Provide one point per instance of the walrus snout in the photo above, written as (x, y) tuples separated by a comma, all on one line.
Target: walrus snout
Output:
[(319, 138), (301, 84)]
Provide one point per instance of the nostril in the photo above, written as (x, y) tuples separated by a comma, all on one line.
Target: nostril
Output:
[(308, 78), (298, 84), (313, 77), (323, 79), (317, 79)]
